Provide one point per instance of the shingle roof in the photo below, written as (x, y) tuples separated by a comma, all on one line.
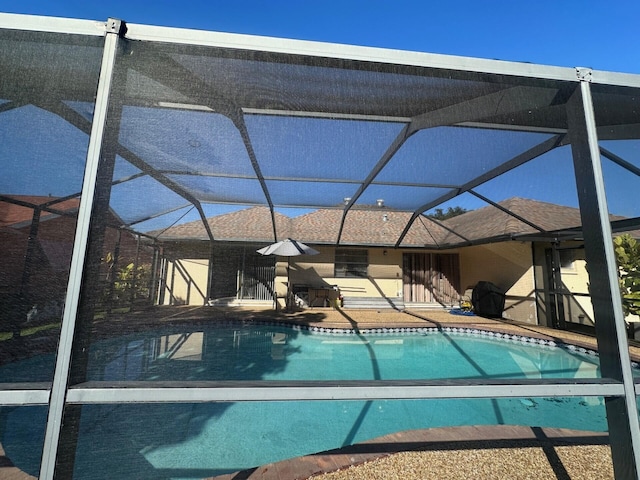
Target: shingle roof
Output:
[(382, 226), (251, 224), (373, 226), (15, 215), (491, 222)]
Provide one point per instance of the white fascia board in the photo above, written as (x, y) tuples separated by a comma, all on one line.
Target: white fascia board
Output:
[(615, 78), (347, 52), (14, 21)]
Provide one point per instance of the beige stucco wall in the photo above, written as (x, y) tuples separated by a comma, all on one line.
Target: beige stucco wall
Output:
[(509, 265), (188, 287), (578, 308), (385, 276), (385, 273)]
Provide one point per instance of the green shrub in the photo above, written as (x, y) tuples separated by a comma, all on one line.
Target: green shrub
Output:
[(627, 251)]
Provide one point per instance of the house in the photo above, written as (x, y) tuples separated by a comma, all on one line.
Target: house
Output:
[(531, 250), (516, 245), (37, 234)]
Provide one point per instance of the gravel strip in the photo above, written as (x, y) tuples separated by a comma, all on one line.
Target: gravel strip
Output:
[(574, 462)]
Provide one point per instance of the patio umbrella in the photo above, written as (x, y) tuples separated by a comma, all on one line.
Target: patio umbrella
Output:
[(288, 248)]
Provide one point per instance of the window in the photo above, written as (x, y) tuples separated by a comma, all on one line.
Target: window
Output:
[(351, 262), (567, 260)]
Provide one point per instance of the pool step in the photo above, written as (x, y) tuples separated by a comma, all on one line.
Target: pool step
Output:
[(373, 302)]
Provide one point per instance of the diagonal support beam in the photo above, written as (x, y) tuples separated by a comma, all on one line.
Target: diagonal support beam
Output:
[(84, 125), (507, 211), (516, 161), (505, 101), (182, 80), (386, 157), (167, 182), (5, 107), (620, 161), (45, 207), (238, 120), (466, 241)]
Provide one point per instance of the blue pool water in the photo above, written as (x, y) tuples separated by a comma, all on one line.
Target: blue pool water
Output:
[(199, 440)]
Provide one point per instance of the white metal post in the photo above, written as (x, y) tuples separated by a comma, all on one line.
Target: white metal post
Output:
[(622, 416), (63, 359)]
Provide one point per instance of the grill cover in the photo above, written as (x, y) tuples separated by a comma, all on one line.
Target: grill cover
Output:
[(488, 300)]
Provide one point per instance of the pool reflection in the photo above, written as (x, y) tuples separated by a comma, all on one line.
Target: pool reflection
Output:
[(262, 352)]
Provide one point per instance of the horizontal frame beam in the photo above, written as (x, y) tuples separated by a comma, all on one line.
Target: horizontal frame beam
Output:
[(347, 390), (14, 21), (24, 397), (347, 52)]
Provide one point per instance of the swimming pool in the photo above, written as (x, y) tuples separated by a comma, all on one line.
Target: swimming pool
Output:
[(206, 439)]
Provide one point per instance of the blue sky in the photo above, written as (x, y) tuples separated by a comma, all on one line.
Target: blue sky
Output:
[(597, 34)]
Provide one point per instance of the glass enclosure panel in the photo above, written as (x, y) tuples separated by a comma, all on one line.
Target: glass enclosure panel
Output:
[(21, 441), (43, 147), (208, 439)]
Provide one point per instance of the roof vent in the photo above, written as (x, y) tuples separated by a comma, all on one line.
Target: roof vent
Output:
[(380, 203)]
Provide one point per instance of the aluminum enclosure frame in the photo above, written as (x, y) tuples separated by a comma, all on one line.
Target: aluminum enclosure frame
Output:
[(617, 385)]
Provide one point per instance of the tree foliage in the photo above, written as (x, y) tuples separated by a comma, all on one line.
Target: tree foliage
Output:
[(440, 214), (125, 284), (627, 251)]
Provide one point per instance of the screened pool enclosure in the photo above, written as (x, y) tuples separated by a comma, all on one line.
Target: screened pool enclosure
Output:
[(111, 133)]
